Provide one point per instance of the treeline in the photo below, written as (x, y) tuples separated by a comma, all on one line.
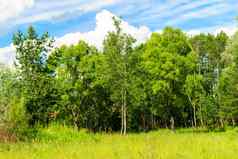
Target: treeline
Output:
[(172, 80)]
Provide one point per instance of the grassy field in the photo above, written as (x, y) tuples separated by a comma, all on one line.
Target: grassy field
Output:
[(65, 143)]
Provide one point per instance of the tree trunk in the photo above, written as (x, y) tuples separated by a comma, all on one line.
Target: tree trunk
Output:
[(75, 119), (122, 116), (125, 110), (233, 122), (172, 123), (152, 122), (194, 112), (125, 123), (221, 123), (201, 117), (194, 116), (122, 112), (143, 120)]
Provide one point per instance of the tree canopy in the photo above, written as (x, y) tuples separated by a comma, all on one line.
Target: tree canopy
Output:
[(171, 80)]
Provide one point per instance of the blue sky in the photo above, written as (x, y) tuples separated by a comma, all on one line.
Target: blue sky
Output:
[(66, 17)]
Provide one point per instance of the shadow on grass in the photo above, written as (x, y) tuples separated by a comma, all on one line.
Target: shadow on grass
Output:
[(200, 130)]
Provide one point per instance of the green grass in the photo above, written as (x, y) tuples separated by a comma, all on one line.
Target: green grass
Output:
[(65, 143)]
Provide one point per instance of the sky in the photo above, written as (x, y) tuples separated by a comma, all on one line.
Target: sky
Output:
[(69, 21)]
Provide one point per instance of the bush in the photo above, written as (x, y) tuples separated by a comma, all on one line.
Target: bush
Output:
[(62, 133)]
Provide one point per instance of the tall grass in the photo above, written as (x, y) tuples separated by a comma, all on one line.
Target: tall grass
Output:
[(59, 142)]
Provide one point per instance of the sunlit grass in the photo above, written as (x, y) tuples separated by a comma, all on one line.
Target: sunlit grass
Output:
[(66, 143)]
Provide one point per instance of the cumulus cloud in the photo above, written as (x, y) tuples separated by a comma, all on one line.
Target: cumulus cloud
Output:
[(104, 24), (13, 8), (7, 55), (228, 29)]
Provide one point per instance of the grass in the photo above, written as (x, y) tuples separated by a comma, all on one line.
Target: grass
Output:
[(64, 143)]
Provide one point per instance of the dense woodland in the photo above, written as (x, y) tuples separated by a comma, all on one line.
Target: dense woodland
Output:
[(172, 80)]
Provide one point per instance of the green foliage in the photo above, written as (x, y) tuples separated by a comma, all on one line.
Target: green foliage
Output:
[(171, 80), (117, 49), (212, 60), (11, 107), (168, 60), (228, 84), (61, 133), (31, 54), (16, 115), (194, 90)]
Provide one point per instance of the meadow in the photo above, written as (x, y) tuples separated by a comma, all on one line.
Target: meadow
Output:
[(57, 142), (118, 84)]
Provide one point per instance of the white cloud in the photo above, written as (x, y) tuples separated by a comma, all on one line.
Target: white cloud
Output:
[(213, 10), (7, 55), (104, 24), (194, 32), (228, 29), (94, 5), (176, 8), (13, 8), (56, 11)]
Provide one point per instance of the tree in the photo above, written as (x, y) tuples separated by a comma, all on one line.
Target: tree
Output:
[(38, 93), (228, 84), (65, 63), (6, 83), (167, 59), (11, 111), (228, 88), (117, 48), (84, 97), (194, 90), (209, 49), (170, 80)]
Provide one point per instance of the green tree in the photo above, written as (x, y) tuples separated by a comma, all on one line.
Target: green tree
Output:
[(11, 110), (65, 63), (117, 48), (194, 90), (228, 86), (38, 93), (209, 49), (228, 83), (167, 58)]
